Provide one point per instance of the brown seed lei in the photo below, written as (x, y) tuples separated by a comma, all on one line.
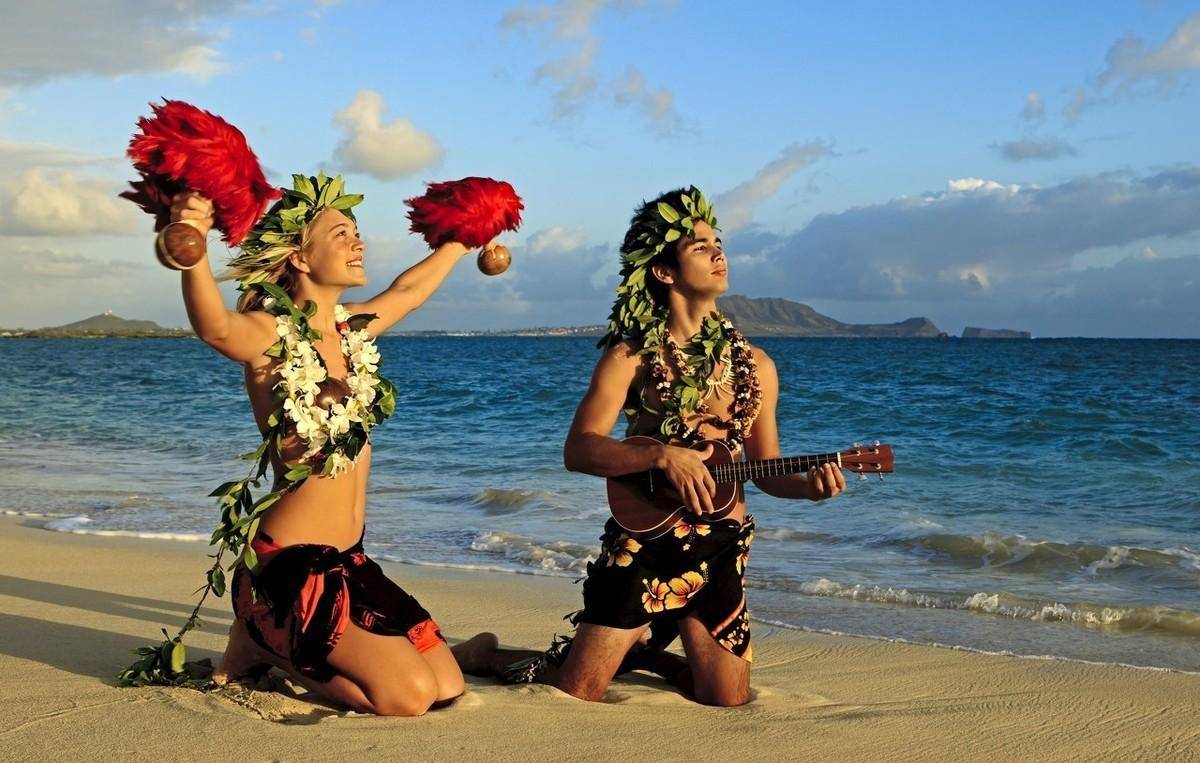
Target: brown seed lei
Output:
[(683, 395)]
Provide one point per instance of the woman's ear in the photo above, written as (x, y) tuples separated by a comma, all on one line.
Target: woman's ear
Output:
[(298, 262)]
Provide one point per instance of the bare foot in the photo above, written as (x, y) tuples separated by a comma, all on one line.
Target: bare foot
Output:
[(242, 657), (474, 655)]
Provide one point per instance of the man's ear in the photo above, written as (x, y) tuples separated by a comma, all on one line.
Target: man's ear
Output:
[(663, 273), (298, 262)]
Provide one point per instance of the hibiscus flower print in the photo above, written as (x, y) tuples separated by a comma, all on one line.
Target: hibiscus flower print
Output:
[(683, 529), (743, 557), (688, 532), (623, 551), (675, 593)]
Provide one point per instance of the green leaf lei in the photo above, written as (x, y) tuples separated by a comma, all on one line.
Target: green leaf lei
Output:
[(638, 318), (241, 512)]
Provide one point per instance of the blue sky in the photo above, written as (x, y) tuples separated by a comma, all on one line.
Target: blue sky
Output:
[(1031, 166)]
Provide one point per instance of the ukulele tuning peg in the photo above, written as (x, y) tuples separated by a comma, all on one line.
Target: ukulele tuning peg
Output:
[(880, 478), (857, 445), (877, 443), (862, 477)]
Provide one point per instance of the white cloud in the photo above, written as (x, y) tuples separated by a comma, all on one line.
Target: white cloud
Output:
[(1133, 68), (384, 151), (556, 239), (200, 63), (972, 239), (574, 73), (1130, 61), (735, 207), (47, 202), (1079, 102), (972, 185), (566, 19), (60, 38), (1032, 149), (1034, 109), (570, 24), (656, 104)]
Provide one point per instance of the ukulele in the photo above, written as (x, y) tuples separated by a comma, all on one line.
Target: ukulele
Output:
[(647, 506)]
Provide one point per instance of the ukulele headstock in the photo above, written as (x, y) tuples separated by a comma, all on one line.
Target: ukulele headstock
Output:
[(862, 459)]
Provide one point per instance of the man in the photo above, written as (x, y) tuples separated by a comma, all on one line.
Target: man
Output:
[(681, 373)]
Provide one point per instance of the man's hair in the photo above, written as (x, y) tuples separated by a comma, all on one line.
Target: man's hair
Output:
[(640, 310), (644, 218)]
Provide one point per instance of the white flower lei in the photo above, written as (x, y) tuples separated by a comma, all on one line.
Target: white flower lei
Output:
[(301, 372)]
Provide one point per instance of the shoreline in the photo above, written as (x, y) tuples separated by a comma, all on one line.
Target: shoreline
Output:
[(71, 613), (46, 523)]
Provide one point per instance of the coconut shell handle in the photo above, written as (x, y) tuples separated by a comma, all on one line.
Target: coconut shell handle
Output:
[(180, 246)]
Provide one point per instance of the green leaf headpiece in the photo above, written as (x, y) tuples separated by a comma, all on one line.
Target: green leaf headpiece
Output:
[(281, 230), (635, 314)]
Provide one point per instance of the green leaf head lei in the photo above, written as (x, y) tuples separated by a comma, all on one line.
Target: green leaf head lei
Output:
[(656, 225)]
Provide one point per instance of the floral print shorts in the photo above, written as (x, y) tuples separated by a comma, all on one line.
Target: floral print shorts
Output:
[(696, 569)]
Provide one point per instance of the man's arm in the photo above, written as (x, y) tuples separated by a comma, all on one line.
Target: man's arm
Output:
[(589, 449), (763, 442), (238, 336), (411, 288)]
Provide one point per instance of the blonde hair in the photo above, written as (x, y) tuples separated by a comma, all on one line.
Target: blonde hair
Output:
[(278, 270)]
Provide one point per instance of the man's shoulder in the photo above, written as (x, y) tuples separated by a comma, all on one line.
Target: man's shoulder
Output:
[(624, 352), (760, 355)]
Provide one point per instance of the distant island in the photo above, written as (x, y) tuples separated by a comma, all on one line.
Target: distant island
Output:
[(973, 332), (772, 316), (757, 317), (767, 316), (104, 325)]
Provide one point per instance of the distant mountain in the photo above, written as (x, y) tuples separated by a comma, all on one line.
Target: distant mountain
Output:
[(973, 332), (772, 316), (107, 324), (754, 317)]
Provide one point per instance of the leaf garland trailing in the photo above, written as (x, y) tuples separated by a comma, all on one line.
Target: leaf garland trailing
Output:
[(241, 512), (639, 319)]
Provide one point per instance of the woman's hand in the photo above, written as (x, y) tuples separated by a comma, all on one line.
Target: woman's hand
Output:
[(686, 470), (194, 208)]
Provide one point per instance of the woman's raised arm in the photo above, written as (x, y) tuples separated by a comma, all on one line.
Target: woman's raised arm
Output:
[(238, 336)]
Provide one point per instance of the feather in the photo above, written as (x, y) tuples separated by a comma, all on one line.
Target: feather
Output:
[(182, 148), (471, 211)]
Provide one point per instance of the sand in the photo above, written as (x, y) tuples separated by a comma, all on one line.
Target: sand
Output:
[(72, 607)]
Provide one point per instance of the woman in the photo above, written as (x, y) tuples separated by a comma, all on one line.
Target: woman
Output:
[(306, 599)]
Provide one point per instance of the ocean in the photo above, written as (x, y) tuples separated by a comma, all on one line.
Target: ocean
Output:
[(1046, 499)]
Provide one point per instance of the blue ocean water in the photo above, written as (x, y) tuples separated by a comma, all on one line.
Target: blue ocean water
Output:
[(1046, 499)]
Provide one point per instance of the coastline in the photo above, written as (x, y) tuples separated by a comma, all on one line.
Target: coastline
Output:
[(72, 610)]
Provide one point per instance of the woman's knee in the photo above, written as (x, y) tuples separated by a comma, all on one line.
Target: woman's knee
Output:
[(449, 685), (410, 697)]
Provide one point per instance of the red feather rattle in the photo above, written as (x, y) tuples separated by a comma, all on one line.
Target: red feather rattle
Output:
[(471, 211), (184, 148)]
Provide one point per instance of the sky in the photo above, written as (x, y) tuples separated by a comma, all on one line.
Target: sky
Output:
[(1020, 165)]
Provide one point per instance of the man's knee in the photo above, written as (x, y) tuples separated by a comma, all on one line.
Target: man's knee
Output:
[(587, 690), (732, 696)]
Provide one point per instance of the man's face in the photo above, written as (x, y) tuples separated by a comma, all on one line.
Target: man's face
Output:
[(702, 270)]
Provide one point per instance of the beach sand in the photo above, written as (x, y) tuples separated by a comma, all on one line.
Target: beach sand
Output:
[(72, 607)]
